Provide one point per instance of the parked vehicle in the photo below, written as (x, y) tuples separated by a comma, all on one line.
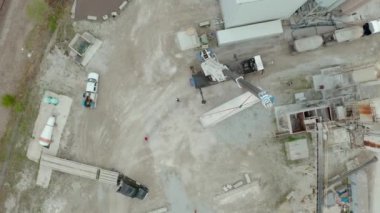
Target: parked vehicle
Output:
[(131, 188), (252, 65), (90, 95), (372, 27), (206, 54)]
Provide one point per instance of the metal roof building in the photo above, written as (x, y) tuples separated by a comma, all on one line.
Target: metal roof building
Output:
[(243, 12), (238, 34)]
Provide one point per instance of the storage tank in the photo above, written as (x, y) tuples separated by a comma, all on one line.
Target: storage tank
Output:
[(348, 34), (308, 43)]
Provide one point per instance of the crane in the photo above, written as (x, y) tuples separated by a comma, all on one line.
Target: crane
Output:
[(219, 72)]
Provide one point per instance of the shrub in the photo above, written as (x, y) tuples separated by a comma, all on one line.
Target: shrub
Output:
[(8, 101), (52, 23)]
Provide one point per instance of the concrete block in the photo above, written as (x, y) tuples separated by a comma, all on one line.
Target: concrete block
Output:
[(114, 14), (204, 24), (121, 7), (43, 177), (247, 178), (160, 210), (92, 18), (238, 184)]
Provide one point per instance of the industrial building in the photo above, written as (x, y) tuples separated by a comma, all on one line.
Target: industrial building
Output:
[(251, 19), (244, 12)]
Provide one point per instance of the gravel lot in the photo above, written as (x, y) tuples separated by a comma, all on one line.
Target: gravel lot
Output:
[(142, 72)]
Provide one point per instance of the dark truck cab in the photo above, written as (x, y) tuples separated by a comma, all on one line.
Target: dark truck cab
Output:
[(131, 188)]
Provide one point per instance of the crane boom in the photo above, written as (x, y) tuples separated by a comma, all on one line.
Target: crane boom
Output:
[(266, 99)]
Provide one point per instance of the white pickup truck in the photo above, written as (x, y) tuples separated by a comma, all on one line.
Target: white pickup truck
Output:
[(89, 97)]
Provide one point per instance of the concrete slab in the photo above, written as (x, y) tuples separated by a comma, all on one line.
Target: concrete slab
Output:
[(188, 39), (297, 149), (360, 196), (61, 111), (43, 176), (228, 109)]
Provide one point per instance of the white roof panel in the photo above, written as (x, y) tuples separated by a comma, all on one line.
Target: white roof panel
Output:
[(243, 12), (228, 109)]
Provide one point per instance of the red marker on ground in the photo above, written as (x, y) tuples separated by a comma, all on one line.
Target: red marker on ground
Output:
[(146, 138)]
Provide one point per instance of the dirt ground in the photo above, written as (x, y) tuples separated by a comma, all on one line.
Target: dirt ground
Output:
[(14, 28), (142, 72)]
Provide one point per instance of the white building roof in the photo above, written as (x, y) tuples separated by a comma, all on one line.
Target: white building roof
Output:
[(243, 12), (238, 34)]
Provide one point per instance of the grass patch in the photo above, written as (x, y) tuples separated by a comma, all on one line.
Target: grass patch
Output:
[(47, 16), (38, 11), (52, 23), (8, 101)]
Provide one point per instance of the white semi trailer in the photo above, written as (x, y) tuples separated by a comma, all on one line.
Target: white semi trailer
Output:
[(123, 184)]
